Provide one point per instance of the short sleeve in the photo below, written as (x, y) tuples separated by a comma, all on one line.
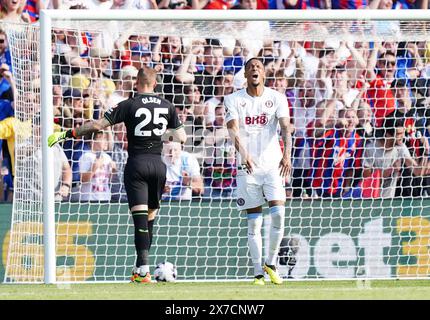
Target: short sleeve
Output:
[(85, 162), (328, 135), (59, 154), (192, 166), (230, 110), (174, 122), (7, 95), (117, 114), (369, 157), (404, 152), (282, 110)]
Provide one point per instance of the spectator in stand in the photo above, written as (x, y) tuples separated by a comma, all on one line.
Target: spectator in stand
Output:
[(168, 52), (6, 111), (194, 101), (189, 68), (304, 113), (380, 95), (230, 4), (100, 4), (285, 84), (326, 69), (7, 93), (223, 87), (234, 57), (101, 84), (141, 57), (12, 128), (57, 101), (219, 168), (288, 4), (69, 52), (125, 84), (32, 8), (415, 140), (8, 128), (32, 158), (95, 100), (382, 4), (354, 4), (334, 144), (7, 84), (354, 144), (364, 114), (100, 64), (12, 11), (356, 63), (183, 178), (122, 49), (409, 4), (96, 168), (216, 4), (248, 4), (409, 62), (192, 113), (73, 109), (387, 153), (134, 4), (344, 90), (320, 4), (73, 115), (61, 4), (119, 156), (213, 65), (173, 4), (5, 57)]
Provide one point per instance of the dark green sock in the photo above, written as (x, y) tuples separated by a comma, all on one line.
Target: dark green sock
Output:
[(141, 237), (150, 229)]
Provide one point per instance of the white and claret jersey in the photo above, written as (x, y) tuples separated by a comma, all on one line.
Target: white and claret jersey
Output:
[(258, 124)]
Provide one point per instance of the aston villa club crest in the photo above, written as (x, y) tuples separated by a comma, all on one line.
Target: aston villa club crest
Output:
[(268, 104)]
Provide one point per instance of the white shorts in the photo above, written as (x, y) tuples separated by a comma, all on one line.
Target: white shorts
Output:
[(253, 190)]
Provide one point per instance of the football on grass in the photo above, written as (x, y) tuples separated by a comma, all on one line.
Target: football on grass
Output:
[(165, 272)]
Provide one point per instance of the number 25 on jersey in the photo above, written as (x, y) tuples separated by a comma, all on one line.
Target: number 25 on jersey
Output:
[(157, 120)]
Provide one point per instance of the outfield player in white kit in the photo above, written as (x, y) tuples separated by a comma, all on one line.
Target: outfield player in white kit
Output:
[(252, 117)]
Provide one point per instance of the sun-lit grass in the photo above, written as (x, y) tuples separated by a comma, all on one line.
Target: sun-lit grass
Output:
[(392, 289)]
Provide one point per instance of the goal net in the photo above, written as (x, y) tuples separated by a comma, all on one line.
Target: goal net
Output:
[(357, 201)]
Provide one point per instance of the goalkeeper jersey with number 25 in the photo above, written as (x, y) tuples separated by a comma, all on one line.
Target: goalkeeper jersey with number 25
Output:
[(258, 124), (146, 117)]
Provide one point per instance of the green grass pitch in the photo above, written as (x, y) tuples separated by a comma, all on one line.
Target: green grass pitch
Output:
[(331, 290)]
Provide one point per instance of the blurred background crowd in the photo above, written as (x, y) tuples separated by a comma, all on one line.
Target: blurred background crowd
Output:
[(359, 109), (28, 10)]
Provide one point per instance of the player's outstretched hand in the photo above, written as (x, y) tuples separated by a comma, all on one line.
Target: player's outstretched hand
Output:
[(249, 164), (285, 166), (56, 137)]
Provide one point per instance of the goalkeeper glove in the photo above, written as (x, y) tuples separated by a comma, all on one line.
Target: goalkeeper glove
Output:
[(59, 136)]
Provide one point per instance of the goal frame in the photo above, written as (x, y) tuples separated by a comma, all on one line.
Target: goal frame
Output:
[(48, 16)]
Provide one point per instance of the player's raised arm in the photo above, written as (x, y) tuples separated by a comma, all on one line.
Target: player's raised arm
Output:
[(86, 128), (111, 117)]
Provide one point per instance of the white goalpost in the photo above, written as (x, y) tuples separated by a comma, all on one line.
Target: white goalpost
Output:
[(76, 238)]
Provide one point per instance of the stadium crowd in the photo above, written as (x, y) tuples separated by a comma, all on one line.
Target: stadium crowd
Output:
[(360, 110)]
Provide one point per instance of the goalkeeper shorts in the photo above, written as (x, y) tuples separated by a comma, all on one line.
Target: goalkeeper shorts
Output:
[(144, 180)]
